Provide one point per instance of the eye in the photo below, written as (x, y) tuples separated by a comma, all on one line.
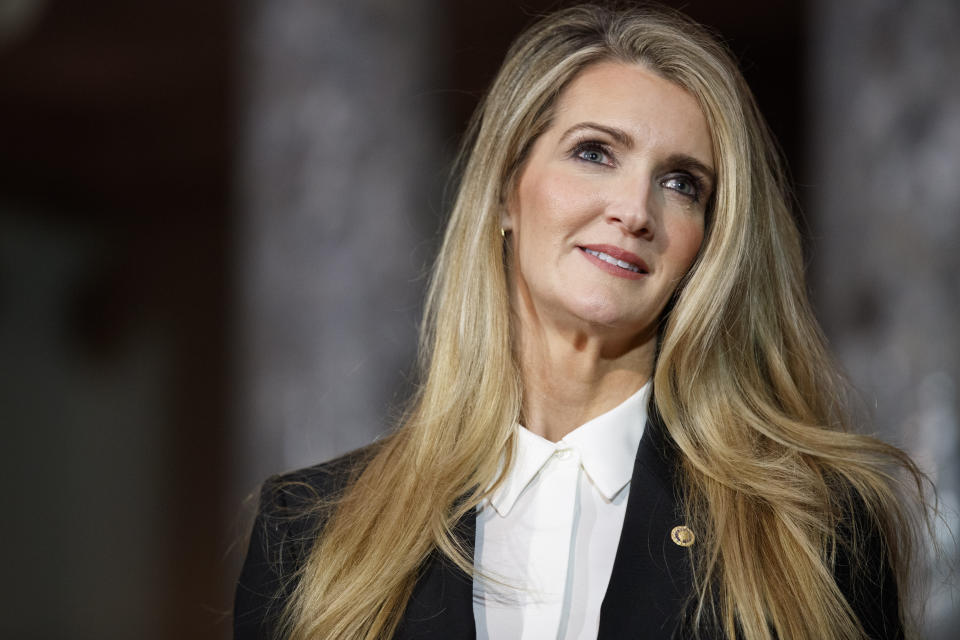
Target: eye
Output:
[(683, 184), (593, 152)]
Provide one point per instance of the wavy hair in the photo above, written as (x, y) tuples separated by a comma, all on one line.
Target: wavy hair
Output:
[(743, 381)]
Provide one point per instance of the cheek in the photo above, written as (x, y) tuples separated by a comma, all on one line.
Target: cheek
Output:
[(549, 201), (687, 238)]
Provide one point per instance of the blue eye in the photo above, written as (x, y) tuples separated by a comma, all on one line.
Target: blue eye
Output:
[(592, 152), (684, 185)]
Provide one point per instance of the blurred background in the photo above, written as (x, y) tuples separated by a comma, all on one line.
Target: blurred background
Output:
[(215, 223)]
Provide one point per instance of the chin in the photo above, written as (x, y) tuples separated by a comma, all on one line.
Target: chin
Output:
[(605, 315), (608, 317)]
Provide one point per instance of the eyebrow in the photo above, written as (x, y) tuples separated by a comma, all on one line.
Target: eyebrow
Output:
[(624, 139)]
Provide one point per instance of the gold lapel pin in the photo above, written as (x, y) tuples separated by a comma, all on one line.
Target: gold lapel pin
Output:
[(683, 536)]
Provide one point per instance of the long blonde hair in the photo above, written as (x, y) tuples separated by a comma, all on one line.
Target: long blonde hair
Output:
[(743, 381)]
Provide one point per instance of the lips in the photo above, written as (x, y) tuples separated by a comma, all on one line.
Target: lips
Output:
[(617, 258)]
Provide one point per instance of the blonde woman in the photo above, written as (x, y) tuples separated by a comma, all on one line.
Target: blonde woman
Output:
[(627, 424)]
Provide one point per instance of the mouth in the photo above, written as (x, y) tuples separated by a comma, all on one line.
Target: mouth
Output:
[(628, 263)]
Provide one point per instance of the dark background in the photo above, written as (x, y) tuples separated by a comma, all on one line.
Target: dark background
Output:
[(119, 288)]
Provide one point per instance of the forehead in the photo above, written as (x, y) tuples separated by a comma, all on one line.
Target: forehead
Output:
[(653, 110)]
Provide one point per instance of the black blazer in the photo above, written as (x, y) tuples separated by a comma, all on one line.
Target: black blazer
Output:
[(648, 590)]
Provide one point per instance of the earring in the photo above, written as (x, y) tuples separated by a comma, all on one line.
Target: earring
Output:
[(503, 233)]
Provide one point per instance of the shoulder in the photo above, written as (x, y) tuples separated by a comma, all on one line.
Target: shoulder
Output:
[(296, 494), (292, 511), (295, 505)]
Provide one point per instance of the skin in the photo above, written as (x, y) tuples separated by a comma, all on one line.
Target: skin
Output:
[(627, 162)]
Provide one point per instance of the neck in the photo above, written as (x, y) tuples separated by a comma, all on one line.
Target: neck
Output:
[(570, 377)]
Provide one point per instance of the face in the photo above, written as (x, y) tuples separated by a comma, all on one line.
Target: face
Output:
[(608, 212)]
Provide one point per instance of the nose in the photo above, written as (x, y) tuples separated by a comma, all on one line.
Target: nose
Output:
[(631, 208)]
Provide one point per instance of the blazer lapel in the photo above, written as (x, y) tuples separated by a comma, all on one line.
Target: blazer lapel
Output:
[(649, 585), (441, 606), (651, 578)]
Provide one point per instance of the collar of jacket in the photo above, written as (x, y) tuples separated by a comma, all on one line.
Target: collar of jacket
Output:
[(651, 579)]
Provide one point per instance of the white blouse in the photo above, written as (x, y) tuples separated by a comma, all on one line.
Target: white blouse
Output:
[(547, 539)]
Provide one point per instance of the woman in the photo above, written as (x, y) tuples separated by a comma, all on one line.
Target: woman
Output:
[(620, 275)]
